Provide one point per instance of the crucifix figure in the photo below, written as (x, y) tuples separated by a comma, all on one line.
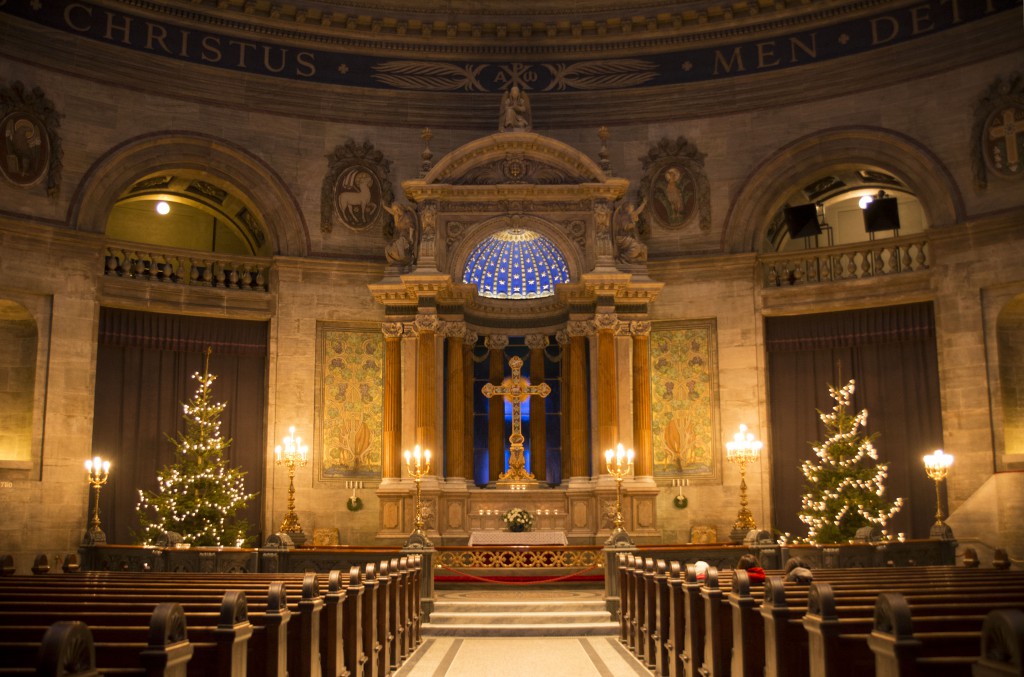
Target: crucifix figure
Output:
[(516, 391)]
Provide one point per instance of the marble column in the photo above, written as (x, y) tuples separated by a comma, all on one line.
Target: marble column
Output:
[(391, 452), (426, 382), (468, 342), (607, 382), (496, 343), (455, 402), (579, 448), (643, 464), (538, 411)]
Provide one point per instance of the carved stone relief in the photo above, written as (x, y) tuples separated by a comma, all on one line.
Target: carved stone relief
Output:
[(675, 187), (998, 135), (30, 148), (356, 189)]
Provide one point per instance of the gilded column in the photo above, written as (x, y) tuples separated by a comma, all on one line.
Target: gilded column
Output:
[(607, 383), (496, 407), (391, 442), (468, 342), (426, 381), (455, 428), (579, 456), (538, 415), (643, 465)]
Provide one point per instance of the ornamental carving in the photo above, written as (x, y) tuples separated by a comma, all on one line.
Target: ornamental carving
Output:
[(515, 167), (391, 329), (576, 229), (356, 189), (998, 135), (675, 187), (30, 148)]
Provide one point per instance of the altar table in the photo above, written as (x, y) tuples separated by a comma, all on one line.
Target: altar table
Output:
[(494, 537)]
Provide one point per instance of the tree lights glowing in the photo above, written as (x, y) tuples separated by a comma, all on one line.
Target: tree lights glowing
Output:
[(845, 483), (199, 495)]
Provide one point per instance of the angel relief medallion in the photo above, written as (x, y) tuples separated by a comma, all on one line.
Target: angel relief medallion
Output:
[(673, 196), (26, 149)]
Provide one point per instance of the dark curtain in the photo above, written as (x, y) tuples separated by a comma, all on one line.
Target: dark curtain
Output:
[(891, 354), (144, 371)]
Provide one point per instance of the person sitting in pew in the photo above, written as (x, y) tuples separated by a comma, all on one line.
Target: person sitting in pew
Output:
[(798, 571), (752, 565)]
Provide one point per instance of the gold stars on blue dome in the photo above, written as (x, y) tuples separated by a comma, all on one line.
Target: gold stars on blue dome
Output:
[(516, 264)]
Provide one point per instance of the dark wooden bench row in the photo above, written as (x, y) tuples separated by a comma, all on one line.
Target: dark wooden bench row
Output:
[(365, 625), (680, 626)]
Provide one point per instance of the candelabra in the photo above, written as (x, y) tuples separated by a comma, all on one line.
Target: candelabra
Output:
[(743, 449), (619, 463), (418, 465), (292, 454), (99, 471), (936, 465)]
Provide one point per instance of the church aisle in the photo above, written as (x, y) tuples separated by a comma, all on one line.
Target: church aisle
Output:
[(515, 656)]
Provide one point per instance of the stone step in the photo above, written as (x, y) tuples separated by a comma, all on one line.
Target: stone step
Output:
[(516, 607), (518, 618), (515, 630), (552, 617)]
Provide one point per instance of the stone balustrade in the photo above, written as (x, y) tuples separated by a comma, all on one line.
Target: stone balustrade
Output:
[(181, 266), (847, 262)]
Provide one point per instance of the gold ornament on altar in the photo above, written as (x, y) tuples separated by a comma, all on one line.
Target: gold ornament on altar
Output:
[(619, 463), (99, 472), (743, 449), (293, 453), (418, 465), (516, 389)]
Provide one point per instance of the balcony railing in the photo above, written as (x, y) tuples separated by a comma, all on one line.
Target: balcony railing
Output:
[(181, 266), (848, 262)]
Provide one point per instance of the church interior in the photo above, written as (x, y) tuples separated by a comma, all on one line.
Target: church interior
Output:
[(517, 237)]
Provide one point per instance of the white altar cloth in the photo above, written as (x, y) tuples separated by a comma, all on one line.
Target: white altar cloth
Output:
[(494, 537)]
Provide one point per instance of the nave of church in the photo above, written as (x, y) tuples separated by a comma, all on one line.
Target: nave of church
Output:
[(514, 238)]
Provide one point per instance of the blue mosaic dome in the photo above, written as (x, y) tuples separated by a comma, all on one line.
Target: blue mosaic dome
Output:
[(516, 264)]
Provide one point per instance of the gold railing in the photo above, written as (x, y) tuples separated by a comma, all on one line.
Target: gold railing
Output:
[(182, 266), (847, 262), (520, 557)]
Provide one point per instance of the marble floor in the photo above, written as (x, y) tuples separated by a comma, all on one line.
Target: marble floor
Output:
[(581, 656), (518, 656)]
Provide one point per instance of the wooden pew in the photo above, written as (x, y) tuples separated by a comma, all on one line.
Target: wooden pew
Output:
[(624, 562), (1002, 645), (662, 620), (677, 620)]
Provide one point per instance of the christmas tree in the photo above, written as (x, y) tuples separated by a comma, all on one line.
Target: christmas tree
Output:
[(845, 484), (198, 495)]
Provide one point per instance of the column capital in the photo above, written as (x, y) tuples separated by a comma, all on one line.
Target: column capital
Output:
[(496, 341), (640, 328), (536, 341), (392, 329), (470, 337), (605, 321), (579, 328), (428, 322), (455, 330)]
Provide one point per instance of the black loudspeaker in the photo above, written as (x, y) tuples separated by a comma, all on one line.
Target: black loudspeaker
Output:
[(802, 221), (881, 214)]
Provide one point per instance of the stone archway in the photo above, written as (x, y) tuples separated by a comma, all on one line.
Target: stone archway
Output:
[(767, 187), (253, 181)]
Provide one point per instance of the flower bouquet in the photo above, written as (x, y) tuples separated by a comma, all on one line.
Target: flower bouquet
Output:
[(518, 519)]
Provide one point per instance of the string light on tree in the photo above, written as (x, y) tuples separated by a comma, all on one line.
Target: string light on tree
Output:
[(845, 484), (199, 495)]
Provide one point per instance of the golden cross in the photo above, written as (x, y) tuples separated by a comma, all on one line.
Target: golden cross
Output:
[(516, 390)]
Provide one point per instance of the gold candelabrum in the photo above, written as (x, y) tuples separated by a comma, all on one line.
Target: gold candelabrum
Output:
[(619, 462), (743, 449), (418, 464), (936, 465), (99, 471), (291, 453)]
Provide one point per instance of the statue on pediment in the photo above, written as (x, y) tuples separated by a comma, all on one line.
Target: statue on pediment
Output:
[(401, 250), (515, 113), (628, 247)]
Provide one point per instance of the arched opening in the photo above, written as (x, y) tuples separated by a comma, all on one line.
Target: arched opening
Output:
[(186, 212)]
